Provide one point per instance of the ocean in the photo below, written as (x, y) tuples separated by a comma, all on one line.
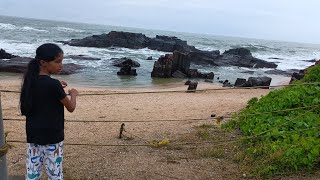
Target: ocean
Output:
[(21, 36)]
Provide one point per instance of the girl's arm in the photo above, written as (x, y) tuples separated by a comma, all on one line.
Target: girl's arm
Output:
[(70, 104)]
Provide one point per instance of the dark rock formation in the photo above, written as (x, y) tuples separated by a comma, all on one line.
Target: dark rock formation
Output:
[(178, 74), (204, 57), (133, 41), (170, 63), (240, 82), (81, 57), (299, 75), (19, 65), (242, 57), (235, 57), (176, 65), (226, 83), (121, 62), (127, 70), (194, 73), (113, 39), (5, 55), (192, 86), (169, 44), (149, 58), (280, 72), (253, 81), (163, 67), (180, 62)]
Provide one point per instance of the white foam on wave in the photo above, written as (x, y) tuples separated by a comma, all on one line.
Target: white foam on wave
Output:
[(66, 29), (7, 26), (286, 62), (24, 28), (19, 48), (103, 54), (206, 48), (87, 63), (27, 28)]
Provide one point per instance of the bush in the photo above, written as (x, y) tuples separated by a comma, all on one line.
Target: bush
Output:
[(282, 141)]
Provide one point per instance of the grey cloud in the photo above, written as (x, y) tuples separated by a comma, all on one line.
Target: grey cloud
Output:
[(290, 20)]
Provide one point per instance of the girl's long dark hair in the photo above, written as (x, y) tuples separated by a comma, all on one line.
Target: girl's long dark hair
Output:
[(46, 52)]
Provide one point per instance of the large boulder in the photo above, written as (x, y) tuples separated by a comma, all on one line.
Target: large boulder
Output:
[(113, 39), (133, 41), (163, 67), (19, 65), (177, 65), (127, 70), (5, 55), (242, 57), (194, 73), (235, 57), (253, 81), (178, 74), (121, 62), (81, 57), (169, 44), (240, 82), (170, 63), (299, 75), (204, 57)]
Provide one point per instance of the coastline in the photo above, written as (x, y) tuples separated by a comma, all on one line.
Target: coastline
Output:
[(13, 82)]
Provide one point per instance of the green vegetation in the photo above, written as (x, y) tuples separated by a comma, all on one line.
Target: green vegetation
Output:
[(285, 141)]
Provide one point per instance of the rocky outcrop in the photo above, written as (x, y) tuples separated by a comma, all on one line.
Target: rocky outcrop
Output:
[(194, 73), (235, 57), (176, 65), (253, 81), (163, 67), (288, 72), (121, 62), (169, 44), (112, 39), (204, 57), (19, 65), (299, 75), (133, 41), (5, 55), (127, 70), (81, 57)]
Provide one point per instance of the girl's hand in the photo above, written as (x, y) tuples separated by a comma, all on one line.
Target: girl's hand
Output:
[(64, 84), (73, 92)]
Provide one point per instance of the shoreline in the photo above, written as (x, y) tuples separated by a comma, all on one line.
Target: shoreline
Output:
[(13, 82)]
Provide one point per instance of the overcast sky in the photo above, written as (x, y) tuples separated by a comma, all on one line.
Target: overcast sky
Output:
[(288, 20)]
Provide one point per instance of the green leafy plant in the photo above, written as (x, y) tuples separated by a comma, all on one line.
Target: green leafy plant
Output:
[(281, 130)]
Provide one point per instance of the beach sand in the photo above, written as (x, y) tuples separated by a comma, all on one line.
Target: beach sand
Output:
[(86, 162)]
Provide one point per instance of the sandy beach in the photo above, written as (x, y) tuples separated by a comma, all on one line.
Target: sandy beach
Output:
[(131, 162)]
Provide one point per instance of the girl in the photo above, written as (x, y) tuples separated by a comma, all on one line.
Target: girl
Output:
[(42, 101)]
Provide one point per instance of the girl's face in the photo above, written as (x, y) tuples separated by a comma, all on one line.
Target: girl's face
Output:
[(55, 66)]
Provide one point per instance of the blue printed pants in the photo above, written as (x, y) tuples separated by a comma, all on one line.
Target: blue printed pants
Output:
[(50, 155)]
